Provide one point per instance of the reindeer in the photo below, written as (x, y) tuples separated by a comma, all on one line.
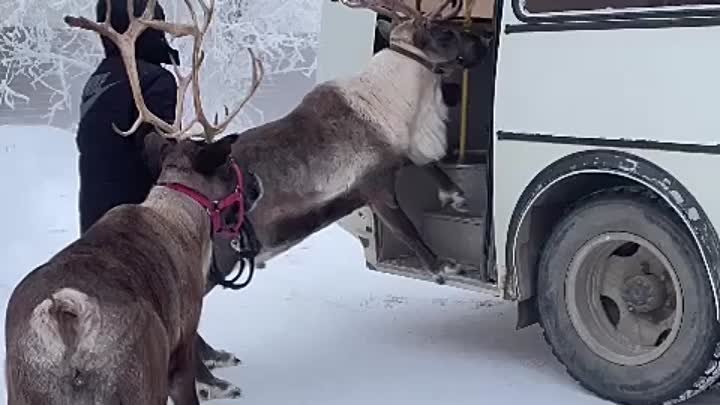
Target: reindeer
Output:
[(341, 147), (113, 317)]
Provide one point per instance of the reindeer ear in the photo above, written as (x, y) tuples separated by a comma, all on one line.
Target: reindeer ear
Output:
[(213, 155), (384, 28), (155, 147)]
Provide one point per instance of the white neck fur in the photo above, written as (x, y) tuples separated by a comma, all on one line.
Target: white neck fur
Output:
[(404, 99)]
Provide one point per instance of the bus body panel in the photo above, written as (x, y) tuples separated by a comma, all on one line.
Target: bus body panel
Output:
[(565, 91), (656, 84)]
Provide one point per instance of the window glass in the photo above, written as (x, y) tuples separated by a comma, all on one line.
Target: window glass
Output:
[(545, 6)]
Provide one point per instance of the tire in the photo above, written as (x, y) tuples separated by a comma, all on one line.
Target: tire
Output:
[(582, 334)]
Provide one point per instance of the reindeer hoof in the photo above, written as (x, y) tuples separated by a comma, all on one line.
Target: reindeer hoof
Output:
[(460, 206), (451, 267), (221, 359), (219, 389), (456, 199)]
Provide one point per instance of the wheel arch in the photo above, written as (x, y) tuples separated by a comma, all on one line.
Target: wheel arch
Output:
[(561, 184)]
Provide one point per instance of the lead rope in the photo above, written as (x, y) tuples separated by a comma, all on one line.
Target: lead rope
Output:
[(247, 247), (464, 101)]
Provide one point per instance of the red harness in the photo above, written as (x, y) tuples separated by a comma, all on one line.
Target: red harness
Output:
[(216, 208)]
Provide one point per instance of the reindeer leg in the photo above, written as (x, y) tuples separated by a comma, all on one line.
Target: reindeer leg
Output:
[(215, 358), (210, 387), (401, 226), (224, 258), (182, 380), (206, 358), (448, 191)]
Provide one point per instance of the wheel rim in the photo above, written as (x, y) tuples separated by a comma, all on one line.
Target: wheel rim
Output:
[(624, 298)]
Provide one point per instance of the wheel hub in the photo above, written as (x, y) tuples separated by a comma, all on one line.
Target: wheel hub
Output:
[(644, 293), (624, 298)]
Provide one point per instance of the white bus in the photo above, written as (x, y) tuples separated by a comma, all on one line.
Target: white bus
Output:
[(592, 129)]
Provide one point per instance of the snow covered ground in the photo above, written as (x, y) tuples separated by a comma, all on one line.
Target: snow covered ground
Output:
[(315, 327)]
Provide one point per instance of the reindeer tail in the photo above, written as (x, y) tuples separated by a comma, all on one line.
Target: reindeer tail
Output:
[(65, 320)]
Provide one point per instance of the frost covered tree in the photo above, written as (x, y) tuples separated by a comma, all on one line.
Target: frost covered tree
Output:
[(44, 64), (40, 61)]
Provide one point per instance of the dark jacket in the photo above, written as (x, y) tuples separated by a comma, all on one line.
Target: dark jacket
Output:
[(112, 168)]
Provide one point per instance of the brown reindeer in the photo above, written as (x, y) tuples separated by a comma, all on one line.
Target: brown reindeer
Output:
[(112, 318), (342, 146)]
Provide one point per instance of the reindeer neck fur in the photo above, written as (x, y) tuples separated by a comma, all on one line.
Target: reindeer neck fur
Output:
[(404, 100), (185, 214)]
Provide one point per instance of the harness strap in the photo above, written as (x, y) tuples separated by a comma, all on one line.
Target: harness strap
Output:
[(241, 233), (214, 209), (433, 67)]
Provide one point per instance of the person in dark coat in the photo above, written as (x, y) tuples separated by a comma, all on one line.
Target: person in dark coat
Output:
[(112, 168)]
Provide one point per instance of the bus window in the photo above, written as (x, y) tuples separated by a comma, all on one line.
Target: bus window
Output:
[(545, 6)]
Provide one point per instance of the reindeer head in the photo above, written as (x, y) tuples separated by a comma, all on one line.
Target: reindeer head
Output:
[(427, 36), (200, 164)]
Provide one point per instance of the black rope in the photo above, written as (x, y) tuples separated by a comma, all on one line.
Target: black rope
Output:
[(249, 247)]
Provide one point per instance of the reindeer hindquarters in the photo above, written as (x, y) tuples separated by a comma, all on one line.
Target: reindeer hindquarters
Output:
[(17, 393), (144, 379)]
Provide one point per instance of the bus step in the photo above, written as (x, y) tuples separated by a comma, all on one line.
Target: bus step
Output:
[(455, 237), (411, 265), (471, 177)]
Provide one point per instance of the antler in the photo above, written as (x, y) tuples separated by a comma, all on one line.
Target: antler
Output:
[(210, 130), (437, 13), (125, 42), (400, 10), (395, 9)]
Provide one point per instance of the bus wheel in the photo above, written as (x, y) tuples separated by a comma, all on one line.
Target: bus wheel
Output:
[(625, 301)]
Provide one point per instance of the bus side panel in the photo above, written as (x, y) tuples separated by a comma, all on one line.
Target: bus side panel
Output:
[(655, 84), (630, 84)]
